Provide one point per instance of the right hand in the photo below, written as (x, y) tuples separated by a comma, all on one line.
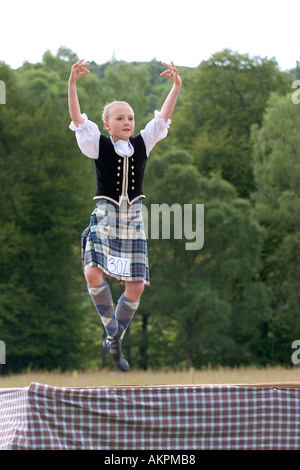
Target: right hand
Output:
[(78, 70)]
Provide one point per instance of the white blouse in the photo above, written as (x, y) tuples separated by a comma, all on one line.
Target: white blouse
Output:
[(88, 136)]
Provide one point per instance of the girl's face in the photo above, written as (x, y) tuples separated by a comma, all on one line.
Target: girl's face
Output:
[(121, 122)]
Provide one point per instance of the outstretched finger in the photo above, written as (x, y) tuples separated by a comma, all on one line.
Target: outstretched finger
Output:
[(81, 64), (171, 70), (168, 65)]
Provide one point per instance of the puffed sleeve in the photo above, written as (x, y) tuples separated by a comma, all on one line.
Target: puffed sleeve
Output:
[(155, 130), (87, 136)]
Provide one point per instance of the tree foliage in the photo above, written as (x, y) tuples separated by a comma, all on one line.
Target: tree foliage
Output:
[(277, 208), (41, 202), (223, 97), (233, 147)]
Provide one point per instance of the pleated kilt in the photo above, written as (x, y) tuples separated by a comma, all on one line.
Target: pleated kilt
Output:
[(115, 241)]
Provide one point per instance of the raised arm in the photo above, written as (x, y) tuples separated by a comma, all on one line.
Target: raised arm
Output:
[(77, 71), (170, 102)]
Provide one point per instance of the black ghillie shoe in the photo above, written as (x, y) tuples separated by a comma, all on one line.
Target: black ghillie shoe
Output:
[(113, 347)]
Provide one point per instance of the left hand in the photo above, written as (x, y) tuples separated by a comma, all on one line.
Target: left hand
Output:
[(171, 73)]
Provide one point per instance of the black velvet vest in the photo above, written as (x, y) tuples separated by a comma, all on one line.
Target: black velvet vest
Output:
[(118, 175)]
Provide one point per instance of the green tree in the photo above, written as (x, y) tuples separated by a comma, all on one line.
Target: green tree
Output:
[(234, 301), (41, 216), (220, 101), (196, 311), (277, 207)]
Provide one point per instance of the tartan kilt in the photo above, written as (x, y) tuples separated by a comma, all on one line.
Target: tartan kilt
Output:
[(115, 241)]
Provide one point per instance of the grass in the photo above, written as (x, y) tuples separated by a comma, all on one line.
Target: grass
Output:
[(98, 378)]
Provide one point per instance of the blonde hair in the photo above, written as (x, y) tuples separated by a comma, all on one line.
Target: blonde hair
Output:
[(107, 108)]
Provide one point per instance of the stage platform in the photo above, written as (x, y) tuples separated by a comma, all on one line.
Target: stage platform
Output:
[(179, 417)]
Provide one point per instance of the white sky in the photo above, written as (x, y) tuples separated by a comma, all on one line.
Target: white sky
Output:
[(186, 31)]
